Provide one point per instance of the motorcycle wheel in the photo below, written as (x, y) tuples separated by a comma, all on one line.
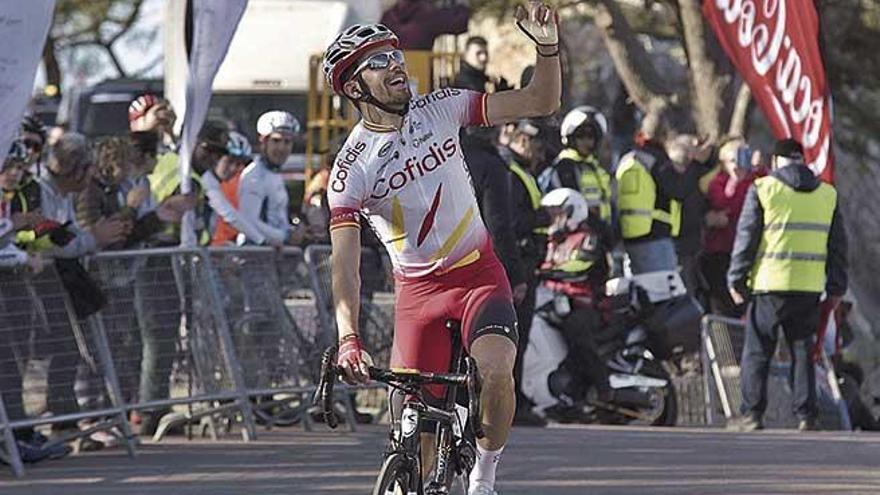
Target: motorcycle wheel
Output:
[(664, 410)]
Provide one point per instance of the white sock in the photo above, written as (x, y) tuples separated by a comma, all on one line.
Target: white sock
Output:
[(484, 469)]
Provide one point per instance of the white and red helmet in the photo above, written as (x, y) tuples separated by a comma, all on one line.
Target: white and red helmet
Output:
[(349, 46)]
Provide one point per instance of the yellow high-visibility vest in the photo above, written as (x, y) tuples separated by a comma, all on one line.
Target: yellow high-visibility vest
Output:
[(593, 181), (531, 186), (794, 243), (637, 200)]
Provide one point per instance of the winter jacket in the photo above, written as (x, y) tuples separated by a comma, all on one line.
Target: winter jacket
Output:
[(750, 228)]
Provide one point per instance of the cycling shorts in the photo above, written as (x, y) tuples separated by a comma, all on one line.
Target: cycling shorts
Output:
[(478, 295)]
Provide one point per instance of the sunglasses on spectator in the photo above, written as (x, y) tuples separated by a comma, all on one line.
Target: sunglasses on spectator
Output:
[(381, 60)]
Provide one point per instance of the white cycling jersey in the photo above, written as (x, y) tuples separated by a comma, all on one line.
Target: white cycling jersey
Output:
[(262, 201), (413, 186)]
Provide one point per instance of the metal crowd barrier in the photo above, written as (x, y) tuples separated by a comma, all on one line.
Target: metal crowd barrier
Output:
[(722, 344), (55, 368), (218, 335)]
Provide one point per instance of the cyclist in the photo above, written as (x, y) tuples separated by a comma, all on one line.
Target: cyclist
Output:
[(262, 194), (402, 169)]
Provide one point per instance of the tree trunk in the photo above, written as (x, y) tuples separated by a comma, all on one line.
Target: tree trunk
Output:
[(707, 87), (646, 88), (50, 61)]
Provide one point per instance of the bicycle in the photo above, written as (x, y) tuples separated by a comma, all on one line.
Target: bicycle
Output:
[(455, 444)]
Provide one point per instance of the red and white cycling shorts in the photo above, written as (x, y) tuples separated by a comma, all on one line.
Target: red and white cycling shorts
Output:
[(478, 295)]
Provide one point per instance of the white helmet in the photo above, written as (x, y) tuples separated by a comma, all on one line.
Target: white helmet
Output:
[(277, 121), (580, 116), (574, 204), (238, 146), (349, 45)]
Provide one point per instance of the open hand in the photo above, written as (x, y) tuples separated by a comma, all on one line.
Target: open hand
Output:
[(538, 22)]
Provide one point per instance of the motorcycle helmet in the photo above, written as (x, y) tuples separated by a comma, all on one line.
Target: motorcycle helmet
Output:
[(583, 117), (572, 202)]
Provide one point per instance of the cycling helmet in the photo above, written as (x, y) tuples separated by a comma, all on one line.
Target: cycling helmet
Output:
[(574, 204), (578, 118), (32, 123), (238, 146), (18, 153), (348, 47), (277, 121)]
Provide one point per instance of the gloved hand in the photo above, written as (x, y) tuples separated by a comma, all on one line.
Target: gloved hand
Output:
[(353, 360), (539, 23)]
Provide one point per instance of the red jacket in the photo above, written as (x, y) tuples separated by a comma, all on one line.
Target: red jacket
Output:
[(719, 240), (418, 22)]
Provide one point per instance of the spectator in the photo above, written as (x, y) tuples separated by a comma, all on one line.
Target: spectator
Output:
[(221, 185), (11, 172), (649, 195), (681, 150), (104, 199), (472, 71), (33, 136), (492, 181), (149, 113), (790, 247), (418, 22), (526, 153), (263, 199), (726, 195)]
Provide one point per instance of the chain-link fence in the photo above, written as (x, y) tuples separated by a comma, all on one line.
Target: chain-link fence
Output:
[(723, 340)]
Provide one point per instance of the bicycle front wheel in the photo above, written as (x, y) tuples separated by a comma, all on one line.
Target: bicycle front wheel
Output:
[(399, 476)]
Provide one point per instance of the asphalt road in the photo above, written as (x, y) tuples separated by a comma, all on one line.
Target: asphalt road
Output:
[(553, 461)]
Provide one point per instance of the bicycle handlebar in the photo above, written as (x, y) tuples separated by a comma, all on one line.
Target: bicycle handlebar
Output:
[(401, 378)]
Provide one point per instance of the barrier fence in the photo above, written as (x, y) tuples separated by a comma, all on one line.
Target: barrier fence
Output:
[(722, 343), (221, 336), (232, 336)]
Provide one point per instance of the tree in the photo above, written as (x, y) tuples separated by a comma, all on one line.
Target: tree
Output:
[(715, 102), (88, 23)]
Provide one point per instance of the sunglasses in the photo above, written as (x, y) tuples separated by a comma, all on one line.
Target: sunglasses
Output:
[(381, 60)]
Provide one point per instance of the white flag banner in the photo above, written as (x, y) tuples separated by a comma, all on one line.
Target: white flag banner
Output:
[(214, 25), (23, 30)]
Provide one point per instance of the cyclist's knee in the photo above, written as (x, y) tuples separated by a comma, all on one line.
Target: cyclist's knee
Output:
[(495, 356)]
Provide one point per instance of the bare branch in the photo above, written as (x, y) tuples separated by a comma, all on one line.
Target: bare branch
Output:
[(741, 111), (642, 82)]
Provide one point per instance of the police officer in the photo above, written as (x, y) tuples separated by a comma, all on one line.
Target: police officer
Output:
[(790, 247), (526, 153), (577, 165)]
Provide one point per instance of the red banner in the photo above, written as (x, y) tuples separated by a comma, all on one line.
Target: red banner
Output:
[(774, 45)]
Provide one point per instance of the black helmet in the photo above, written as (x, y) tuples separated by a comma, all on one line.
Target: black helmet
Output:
[(32, 123)]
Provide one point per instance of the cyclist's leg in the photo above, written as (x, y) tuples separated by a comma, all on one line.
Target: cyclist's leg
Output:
[(490, 332), (422, 342)]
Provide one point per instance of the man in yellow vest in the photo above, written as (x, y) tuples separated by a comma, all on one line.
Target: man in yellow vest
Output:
[(649, 195), (790, 247), (525, 152), (577, 165)]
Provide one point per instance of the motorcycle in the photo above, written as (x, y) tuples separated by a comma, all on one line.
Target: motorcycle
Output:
[(648, 321)]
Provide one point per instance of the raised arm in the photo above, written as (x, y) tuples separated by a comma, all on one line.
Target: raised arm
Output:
[(542, 96)]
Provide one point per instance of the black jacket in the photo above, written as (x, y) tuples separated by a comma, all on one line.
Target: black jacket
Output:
[(751, 226), (470, 77), (670, 185), (492, 184), (526, 219)]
